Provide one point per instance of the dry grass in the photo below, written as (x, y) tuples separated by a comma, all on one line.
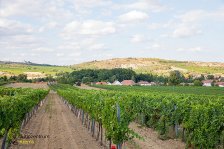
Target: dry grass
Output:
[(155, 66)]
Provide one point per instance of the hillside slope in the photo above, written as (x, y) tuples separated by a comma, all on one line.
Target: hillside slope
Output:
[(155, 66), (32, 70)]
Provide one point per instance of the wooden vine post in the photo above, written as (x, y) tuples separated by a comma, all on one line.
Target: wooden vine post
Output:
[(119, 146)]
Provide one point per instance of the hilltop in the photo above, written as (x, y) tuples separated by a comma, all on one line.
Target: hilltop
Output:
[(155, 66)]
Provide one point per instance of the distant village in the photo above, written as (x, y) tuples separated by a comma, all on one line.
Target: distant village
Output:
[(206, 83), (127, 83)]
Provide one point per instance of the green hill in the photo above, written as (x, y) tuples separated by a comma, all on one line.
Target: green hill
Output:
[(31, 69), (156, 66)]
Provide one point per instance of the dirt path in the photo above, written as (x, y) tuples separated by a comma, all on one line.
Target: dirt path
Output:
[(83, 86), (58, 127)]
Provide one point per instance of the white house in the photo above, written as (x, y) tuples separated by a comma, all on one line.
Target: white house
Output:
[(116, 83), (207, 82)]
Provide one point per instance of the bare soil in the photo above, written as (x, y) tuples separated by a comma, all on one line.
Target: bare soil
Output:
[(151, 140), (83, 86), (58, 123)]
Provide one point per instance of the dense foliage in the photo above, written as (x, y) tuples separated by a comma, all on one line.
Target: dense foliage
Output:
[(175, 78), (23, 78), (14, 104), (201, 118), (3, 80), (197, 83), (110, 75)]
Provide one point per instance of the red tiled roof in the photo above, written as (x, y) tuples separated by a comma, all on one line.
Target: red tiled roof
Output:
[(207, 81), (128, 82), (220, 83)]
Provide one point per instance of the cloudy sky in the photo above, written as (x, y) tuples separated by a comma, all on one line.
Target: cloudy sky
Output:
[(65, 32)]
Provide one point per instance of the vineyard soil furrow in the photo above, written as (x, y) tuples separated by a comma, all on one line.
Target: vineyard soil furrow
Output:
[(151, 140), (57, 127)]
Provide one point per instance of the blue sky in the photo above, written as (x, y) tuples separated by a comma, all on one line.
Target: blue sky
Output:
[(65, 32)]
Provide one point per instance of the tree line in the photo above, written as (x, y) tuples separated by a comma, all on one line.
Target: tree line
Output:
[(110, 75), (107, 75), (23, 78)]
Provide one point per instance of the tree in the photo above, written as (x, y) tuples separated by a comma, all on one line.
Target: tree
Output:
[(13, 78), (133, 78), (5, 78), (210, 77), (201, 78), (222, 79), (197, 83), (49, 78), (112, 79), (87, 80), (175, 77), (22, 78), (144, 77)]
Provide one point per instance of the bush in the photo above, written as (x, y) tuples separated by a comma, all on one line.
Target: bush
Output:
[(197, 83)]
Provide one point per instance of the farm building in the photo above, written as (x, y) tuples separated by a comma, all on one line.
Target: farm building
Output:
[(207, 82), (220, 84), (144, 83), (128, 82), (116, 83), (101, 83), (108, 83)]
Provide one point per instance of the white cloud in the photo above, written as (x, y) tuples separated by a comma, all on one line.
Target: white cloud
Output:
[(43, 49), (156, 46), (38, 8), (192, 16), (60, 54), (90, 3), (138, 38), (185, 30), (218, 14), (97, 46), (190, 24), (85, 7), (89, 27), (21, 42), (163, 25), (154, 26), (89, 44), (194, 49), (49, 26), (133, 17), (12, 27), (152, 5)]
